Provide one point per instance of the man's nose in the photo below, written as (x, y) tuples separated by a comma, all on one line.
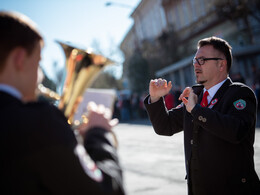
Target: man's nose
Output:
[(196, 64)]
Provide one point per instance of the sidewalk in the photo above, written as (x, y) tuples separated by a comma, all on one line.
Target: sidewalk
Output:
[(154, 164), (145, 121)]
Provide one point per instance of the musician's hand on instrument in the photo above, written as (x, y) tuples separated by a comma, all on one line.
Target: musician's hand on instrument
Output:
[(97, 116), (159, 88)]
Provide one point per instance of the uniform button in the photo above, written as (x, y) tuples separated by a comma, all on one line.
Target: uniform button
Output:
[(204, 120), (191, 141), (200, 118), (243, 180)]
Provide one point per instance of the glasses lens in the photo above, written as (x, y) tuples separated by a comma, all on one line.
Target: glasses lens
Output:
[(201, 61), (198, 60)]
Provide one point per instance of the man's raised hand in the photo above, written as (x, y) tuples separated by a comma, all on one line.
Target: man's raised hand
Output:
[(159, 88)]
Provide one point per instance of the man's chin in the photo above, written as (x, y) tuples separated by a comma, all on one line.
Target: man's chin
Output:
[(201, 82)]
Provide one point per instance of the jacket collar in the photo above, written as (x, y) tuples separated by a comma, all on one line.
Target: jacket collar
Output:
[(6, 99), (198, 90), (220, 93)]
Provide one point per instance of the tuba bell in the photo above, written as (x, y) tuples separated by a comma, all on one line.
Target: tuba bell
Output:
[(82, 67)]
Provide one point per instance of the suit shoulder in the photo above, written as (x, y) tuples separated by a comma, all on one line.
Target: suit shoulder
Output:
[(241, 88), (50, 121), (43, 113), (238, 85), (42, 108)]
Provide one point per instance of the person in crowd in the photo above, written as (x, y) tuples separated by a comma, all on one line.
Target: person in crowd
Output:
[(135, 105), (237, 77), (126, 108), (218, 118), (256, 83), (142, 109), (177, 92), (169, 100), (39, 151)]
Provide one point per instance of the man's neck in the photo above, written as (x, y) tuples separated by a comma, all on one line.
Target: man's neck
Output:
[(213, 90), (217, 81)]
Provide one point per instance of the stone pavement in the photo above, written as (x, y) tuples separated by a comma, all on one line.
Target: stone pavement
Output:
[(153, 164)]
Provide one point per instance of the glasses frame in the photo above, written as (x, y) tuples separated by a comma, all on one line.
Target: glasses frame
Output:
[(203, 60)]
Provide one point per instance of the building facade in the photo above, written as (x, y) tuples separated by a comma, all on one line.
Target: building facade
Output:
[(193, 20)]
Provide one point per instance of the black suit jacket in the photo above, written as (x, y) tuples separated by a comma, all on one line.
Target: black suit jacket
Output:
[(220, 136), (40, 155)]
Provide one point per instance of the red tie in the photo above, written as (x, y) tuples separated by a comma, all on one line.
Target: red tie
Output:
[(204, 101)]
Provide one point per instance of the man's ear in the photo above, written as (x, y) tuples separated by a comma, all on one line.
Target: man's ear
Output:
[(19, 56), (223, 65)]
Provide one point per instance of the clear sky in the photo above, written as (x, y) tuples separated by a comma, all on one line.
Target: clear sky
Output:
[(87, 23)]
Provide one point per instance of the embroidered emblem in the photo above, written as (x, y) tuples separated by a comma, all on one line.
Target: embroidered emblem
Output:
[(213, 102), (240, 104)]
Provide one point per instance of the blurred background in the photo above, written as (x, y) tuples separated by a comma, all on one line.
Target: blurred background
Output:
[(146, 39)]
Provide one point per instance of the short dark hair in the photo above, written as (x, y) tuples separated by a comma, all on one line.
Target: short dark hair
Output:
[(220, 45), (16, 30)]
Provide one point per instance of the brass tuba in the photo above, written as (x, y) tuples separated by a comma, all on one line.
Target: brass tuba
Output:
[(83, 67)]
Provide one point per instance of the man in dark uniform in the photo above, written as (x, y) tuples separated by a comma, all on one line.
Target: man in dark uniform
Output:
[(39, 151), (218, 118)]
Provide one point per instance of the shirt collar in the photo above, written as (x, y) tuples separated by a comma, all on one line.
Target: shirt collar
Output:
[(213, 90), (11, 91)]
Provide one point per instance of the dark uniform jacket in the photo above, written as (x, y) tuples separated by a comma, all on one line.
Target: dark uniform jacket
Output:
[(218, 140), (39, 153)]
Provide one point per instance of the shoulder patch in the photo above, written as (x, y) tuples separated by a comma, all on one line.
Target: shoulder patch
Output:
[(240, 104)]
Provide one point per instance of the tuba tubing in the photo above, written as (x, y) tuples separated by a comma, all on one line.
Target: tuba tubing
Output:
[(82, 69)]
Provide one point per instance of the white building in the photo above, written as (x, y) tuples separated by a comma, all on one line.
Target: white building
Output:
[(194, 20)]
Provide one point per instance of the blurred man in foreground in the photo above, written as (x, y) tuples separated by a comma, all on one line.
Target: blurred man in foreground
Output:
[(39, 151)]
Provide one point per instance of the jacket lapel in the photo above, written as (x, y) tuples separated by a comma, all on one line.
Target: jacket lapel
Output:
[(198, 90), (219, 93)]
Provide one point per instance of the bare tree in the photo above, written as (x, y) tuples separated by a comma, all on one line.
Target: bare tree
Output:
[(239, 9)]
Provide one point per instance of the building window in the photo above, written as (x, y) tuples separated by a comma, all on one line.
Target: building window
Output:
[(202, 7), (188, 75), (185, 13), (176, 78), (170, 16), (177, 17), (193, 9)]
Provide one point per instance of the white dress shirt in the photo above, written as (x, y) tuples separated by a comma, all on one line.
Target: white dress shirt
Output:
[(213, 90)]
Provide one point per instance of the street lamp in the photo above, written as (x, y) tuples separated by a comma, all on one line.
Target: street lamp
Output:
[(118, 4)]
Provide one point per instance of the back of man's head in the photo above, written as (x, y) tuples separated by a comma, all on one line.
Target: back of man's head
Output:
[(17, 30)]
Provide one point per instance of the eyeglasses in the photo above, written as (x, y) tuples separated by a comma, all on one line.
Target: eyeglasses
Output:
[(201, 61)]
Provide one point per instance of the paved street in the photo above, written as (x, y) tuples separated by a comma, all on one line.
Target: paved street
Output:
[(153, 164)]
